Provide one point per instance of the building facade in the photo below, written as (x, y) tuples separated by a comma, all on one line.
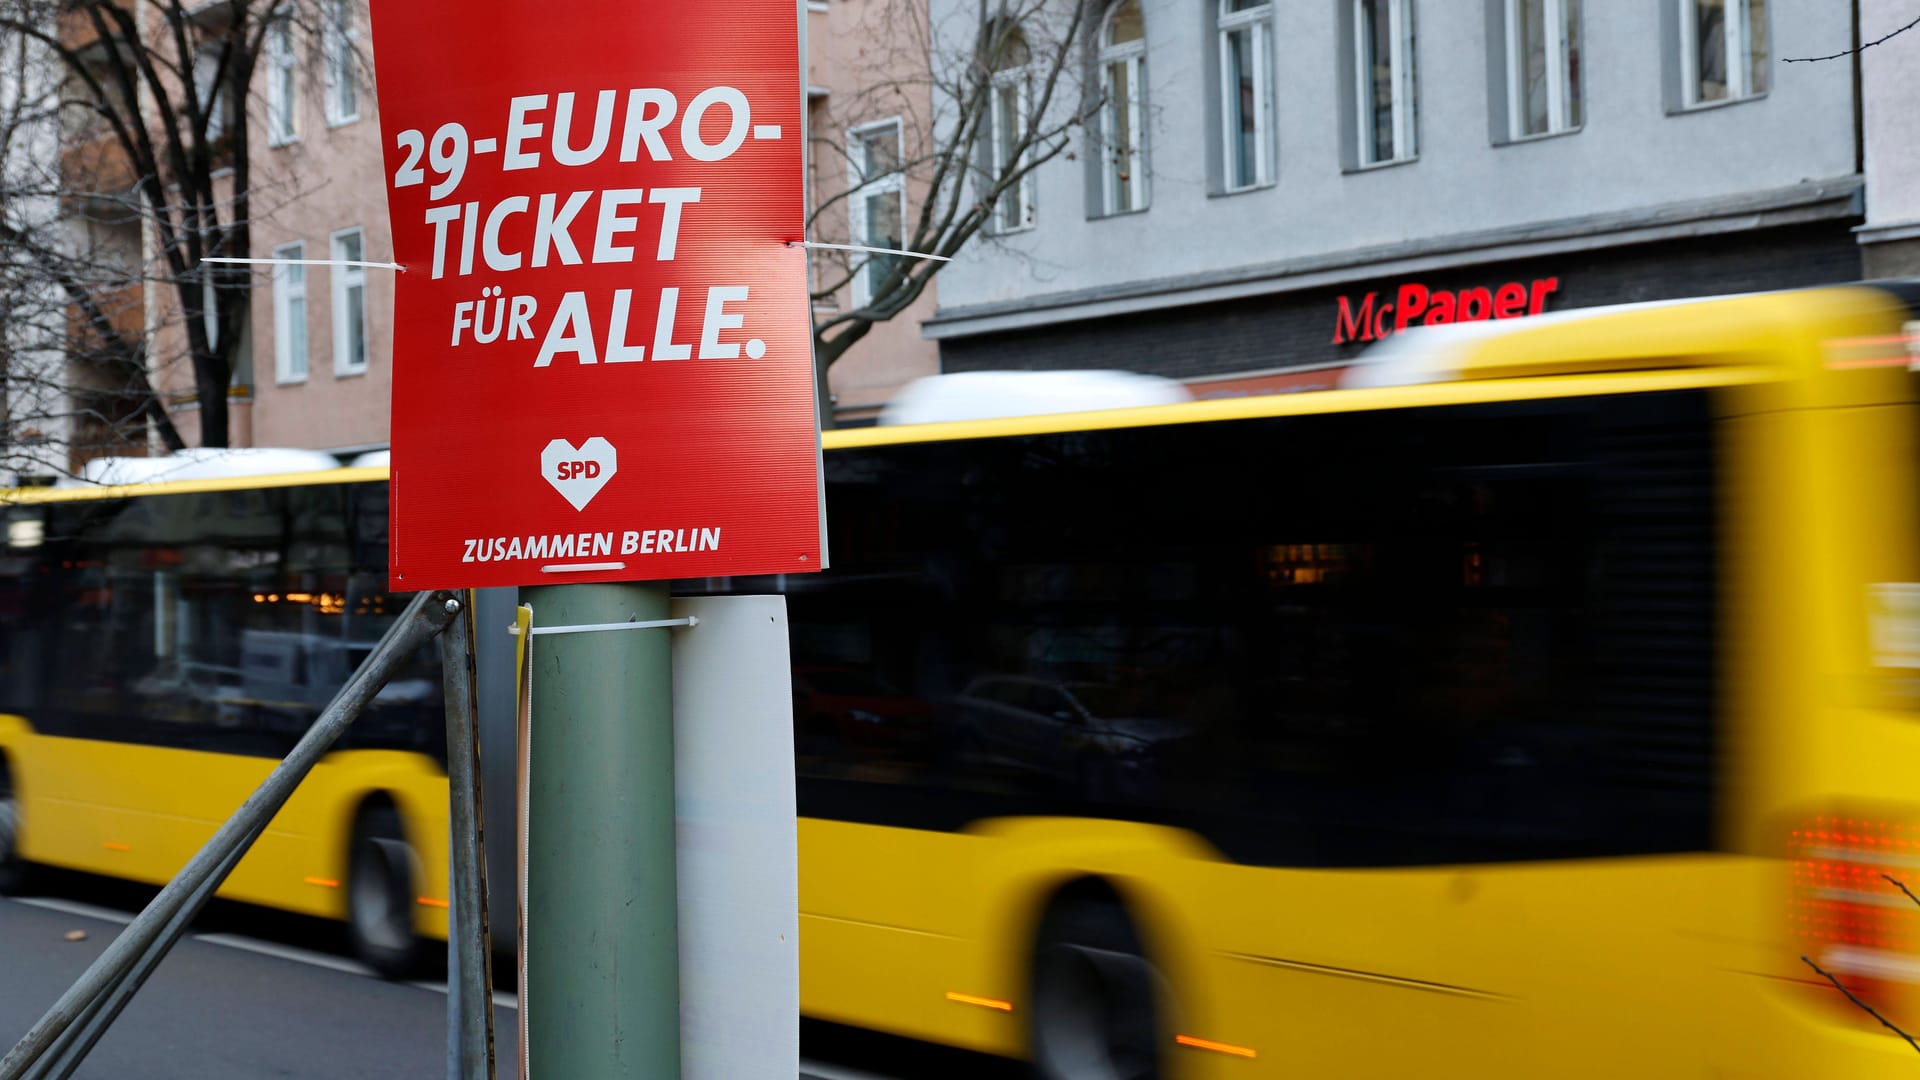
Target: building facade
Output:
[(868, 108), (323, 342), (322, 335), (1308, 178), (35, 408), (1889, 81)]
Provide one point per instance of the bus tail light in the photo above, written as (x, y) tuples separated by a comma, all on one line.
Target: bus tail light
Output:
[(1851, 913)]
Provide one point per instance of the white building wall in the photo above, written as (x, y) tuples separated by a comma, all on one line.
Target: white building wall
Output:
[(1889, 87), (37, 414)]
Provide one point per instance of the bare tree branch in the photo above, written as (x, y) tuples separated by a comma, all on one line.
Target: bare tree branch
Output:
[(130, 355), (950, 83), (148, 173)]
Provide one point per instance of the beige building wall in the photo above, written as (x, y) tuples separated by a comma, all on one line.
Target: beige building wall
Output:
[(170, 358), (862, 62), (328, 179)]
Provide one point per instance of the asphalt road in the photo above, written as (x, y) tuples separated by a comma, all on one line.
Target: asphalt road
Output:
[(249, 994), (228, 1005)]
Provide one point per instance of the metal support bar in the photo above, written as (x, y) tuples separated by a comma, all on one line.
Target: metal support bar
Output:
[(234, 260), (196, 883), (77, 1041), (470, 988)]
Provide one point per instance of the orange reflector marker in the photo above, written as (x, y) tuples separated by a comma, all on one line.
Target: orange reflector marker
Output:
[(429, 901), (983, 1002), (1216, 1047), (323, 882), (111, 845)]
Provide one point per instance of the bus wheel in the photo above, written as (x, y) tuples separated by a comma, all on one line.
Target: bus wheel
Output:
[(380, 893), (1094, 1015), (13, 872)]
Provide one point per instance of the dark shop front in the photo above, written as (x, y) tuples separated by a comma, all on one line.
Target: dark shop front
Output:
[(1288, 341)]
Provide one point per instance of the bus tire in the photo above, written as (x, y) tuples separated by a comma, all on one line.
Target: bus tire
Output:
[(1094, 992), (13, 870), (380, 892)]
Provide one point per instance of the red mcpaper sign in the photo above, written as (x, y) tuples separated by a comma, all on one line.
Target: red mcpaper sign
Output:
[(602, 356)]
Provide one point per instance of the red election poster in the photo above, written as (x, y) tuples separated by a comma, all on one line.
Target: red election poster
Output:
[(602, 356)]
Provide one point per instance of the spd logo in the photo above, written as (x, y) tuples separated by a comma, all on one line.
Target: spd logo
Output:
[(578, 474)]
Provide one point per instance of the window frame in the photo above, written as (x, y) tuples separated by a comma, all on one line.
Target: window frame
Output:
[(338, 37), (1133, 54), (282, 104), (1023, 191), (346, 278), (1401, 84), (1258, 23), (283, 297), (1738, 20), (864, 187), (1561, 81), (1028, 187)]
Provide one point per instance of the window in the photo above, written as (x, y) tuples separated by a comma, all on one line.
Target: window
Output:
[(879, 206), (88, 92), (282, 124), (1123, 86), (343, 96), (1723, 50), (1383, 70), (1006, 128), (167, 620), (210, 85), (290, 315), (210, 305), (1457, 669), (1246, 92), (1543, 67), (349, 305)]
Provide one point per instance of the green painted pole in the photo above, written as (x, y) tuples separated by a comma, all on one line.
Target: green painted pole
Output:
[(603, 952)]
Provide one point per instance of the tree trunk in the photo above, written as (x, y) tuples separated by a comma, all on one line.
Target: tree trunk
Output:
[(212, 395), (823, 394)]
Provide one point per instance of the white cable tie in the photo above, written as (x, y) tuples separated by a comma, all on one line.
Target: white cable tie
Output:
[(869, 250), (595, 628), (304, 262)]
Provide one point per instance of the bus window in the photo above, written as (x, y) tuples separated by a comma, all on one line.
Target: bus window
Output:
[(226, 621), (1476, 633)]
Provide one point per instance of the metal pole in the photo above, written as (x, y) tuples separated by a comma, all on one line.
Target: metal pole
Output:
[(602, 939), (424, 617), (469, 978)]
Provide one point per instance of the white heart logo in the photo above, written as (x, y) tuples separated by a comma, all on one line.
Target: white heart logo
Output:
[(578, 475)]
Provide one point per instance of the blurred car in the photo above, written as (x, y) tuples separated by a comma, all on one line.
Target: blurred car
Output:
[(1100, 740)]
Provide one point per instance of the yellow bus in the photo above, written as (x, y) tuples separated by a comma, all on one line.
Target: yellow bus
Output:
[(1531, 711), (162, 644)]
